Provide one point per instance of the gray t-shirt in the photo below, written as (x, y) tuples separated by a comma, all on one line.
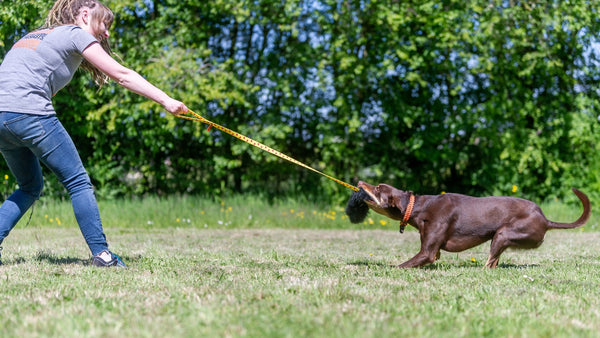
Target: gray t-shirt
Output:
[(38, 66)]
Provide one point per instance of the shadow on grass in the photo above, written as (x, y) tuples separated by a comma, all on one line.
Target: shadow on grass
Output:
[(434, 266), (52, 259), (469, 264), (517, 266), (371, 263), (445, 266)]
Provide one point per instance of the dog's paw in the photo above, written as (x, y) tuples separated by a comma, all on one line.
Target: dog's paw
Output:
[(357, 209)]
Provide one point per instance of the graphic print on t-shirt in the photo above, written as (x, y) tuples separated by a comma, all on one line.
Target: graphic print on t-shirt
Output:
[(32, 40)]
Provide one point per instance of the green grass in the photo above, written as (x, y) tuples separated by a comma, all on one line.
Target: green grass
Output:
[(279, 274)]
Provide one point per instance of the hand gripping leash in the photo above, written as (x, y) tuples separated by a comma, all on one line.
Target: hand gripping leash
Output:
[(190, 115)]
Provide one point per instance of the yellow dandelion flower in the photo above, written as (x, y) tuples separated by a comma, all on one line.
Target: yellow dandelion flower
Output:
[(202, 212), (371, 221), (383, 223), (371, 254), (58, 221), (177, 220), (292, 211), (473, 259), (6, 177), (443, 192), (514, 188)]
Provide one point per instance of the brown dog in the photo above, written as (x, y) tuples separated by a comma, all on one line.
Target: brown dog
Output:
[(454, 222)]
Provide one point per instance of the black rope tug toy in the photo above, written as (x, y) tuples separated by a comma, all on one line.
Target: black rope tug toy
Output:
[(357, 209)]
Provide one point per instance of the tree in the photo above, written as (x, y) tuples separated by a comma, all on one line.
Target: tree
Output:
[(464, 96)]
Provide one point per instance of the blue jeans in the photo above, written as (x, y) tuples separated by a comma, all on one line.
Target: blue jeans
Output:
[(25, 140)]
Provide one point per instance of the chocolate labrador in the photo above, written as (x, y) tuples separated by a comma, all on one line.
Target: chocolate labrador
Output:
[(455, 222)]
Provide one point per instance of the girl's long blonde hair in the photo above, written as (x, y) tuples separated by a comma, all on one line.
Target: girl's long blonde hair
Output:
[(64, 12)]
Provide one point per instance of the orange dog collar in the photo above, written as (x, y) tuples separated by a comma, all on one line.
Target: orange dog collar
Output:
[(409, 208)]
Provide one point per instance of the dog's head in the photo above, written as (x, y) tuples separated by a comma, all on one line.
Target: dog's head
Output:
[(385, 199)]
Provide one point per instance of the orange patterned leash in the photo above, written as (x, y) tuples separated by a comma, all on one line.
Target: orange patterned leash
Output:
[(196, 117)]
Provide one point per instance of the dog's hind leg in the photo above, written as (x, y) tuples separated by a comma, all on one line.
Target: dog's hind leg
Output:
[(492, 261), (524, 235), (499, 244), (503, 239)]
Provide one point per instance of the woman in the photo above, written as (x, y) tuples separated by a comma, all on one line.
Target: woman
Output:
[(34, 70)]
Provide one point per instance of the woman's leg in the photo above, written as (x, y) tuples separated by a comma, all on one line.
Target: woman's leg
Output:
[(57, 151), (25, 167), (23, 140)]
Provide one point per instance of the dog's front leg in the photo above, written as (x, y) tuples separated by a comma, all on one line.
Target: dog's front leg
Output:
[(427, 255), (420, 259), (432, 239)]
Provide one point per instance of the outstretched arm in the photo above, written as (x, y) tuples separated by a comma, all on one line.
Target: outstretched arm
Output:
[(130, 79)]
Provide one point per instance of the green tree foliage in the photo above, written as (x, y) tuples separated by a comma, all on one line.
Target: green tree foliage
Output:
[(465, 96), (470, 96)]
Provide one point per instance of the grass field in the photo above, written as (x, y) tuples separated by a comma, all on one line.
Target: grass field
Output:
[(192, 276)]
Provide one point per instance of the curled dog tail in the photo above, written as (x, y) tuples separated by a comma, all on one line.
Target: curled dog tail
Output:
[(587, 211)]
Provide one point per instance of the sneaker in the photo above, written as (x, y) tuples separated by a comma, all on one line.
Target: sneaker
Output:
[(107, 258)]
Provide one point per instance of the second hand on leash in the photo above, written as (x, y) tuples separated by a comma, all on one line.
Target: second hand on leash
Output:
[(196, 117)]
